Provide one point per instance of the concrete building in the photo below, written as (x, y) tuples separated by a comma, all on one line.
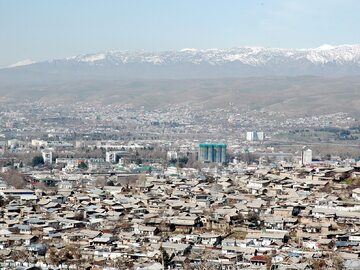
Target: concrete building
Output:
[(39, 143), (47, 156), (306, 156), (115, 156), (80, 144), (253, 136), (172, 155), (211, 152)]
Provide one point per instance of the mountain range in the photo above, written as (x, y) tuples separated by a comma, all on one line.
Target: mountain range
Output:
[(297, 81), (326, 60)]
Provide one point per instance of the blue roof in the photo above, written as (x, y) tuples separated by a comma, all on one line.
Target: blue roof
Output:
[(346, 243)]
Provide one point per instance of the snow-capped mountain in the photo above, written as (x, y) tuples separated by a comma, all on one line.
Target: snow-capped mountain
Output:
[(325, 60), (253, 56)]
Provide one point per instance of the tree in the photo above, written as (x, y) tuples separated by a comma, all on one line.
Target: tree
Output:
[(253, 217), (19, 254), (68, 254), (268, 262), (37, 160), (296, 211), (138, 161), (15, 179), (100, 182), (337, 261), (83, 165), (123, 263), (240, 218), (172, 161), (141, 181), (319, 264), (79, 216), (286, 238), (248, 157), (2, 201), (110, 183), (165, 258), (206, 260), (183, 161)]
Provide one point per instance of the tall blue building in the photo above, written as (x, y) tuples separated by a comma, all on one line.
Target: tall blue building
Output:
[(212, 152)]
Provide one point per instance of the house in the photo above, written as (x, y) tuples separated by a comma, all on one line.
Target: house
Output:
[(23, 229), (104, 240), (39, 249), (145, 230), (356, 194), (22, 194), (274, 222), (185, 222), (25, 240), (176, 248), (342, 173), (4, 242), (259, 260), (266, 238), (210, 239)]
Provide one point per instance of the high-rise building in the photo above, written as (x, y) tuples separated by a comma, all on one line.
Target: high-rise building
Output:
[(253, 136), (115, 156), (172, 155), (212, 152), (47, 156), (306, 155)]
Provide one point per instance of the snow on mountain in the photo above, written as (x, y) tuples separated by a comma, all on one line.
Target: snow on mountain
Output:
[(204, 63), (252, 56), (93, 57), (325, 47), (22, 63)]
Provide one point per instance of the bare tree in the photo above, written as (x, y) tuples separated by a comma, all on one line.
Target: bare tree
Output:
[(68, 254), (14, 178)]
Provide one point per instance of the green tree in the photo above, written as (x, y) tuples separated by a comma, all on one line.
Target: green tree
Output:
[(173, 161), (182, 162), (83, 166), (138, 161), (37, 160)]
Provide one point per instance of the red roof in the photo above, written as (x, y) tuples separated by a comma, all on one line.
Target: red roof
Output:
[(258, 259)]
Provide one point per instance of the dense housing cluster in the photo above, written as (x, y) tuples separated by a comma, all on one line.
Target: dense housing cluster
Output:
[(83, 189)]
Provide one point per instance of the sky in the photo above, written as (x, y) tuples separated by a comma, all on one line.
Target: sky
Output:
[(48, 29)]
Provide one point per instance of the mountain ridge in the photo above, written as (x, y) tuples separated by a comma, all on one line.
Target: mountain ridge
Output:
[(322, 54), (326, 60)]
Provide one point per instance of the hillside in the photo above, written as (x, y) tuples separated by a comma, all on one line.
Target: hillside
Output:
[(297, 95)]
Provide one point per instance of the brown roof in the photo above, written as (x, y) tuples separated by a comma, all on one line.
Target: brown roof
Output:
[(258, 259)]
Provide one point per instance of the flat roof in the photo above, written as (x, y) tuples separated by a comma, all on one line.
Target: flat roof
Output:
[(222, 145)]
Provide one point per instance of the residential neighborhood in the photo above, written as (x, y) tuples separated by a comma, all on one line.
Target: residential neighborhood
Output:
[(88, 213)]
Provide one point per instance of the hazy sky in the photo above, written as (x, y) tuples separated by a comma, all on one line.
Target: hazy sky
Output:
[(43, 29)]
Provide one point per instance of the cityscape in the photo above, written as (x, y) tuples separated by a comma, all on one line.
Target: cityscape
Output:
[(121, 187), (151, 135)]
